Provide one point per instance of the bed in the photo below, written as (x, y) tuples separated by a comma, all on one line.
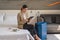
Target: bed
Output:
[(7, 33), (8, 27)]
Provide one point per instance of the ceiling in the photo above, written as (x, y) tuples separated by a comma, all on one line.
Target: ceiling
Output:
[(32, 4)]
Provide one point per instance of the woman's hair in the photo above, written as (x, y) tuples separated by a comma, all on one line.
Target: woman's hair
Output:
[(24, 6)]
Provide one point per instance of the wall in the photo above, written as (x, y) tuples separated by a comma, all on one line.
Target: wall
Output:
[(32, 12)]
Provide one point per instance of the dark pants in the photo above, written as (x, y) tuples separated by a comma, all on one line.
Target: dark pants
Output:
[(30, 28)]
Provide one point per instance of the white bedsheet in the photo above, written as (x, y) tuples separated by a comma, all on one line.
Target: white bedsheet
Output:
[(8, 34)]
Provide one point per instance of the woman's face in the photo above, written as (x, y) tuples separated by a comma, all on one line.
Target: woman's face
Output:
[(24, 10)]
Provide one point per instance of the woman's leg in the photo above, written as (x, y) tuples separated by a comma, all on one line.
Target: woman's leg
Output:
[(32, 30), (36, 37)]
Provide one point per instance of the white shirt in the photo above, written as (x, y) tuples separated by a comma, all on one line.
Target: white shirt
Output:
[(24, 15)]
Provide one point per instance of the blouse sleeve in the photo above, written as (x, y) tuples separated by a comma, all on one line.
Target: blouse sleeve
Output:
[(19, 19)]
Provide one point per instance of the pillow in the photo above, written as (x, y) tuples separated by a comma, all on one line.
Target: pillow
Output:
[(10, 19), (1, 19)]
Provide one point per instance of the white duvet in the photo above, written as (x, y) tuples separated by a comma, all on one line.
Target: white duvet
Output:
[(7, 33)]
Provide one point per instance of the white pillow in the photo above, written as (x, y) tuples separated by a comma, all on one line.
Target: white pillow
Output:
[(10, 19), (1, 19)]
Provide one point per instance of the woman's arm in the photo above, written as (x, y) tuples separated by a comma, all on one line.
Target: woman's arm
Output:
[(19, 19)]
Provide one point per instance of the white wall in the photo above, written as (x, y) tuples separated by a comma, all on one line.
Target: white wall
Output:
[(32, 12)]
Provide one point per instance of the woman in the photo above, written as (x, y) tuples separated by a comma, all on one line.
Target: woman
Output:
[(23, 22)]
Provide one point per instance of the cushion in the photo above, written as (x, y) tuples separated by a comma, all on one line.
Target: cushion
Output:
[(1, 18), (10, 19)]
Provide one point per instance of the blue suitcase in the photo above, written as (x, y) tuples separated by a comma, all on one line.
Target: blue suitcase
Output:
[(41, 28)]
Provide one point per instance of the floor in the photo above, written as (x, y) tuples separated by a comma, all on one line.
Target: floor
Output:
[(53, 37)]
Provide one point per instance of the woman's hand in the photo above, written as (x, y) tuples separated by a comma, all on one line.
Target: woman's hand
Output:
[(25, 20)]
